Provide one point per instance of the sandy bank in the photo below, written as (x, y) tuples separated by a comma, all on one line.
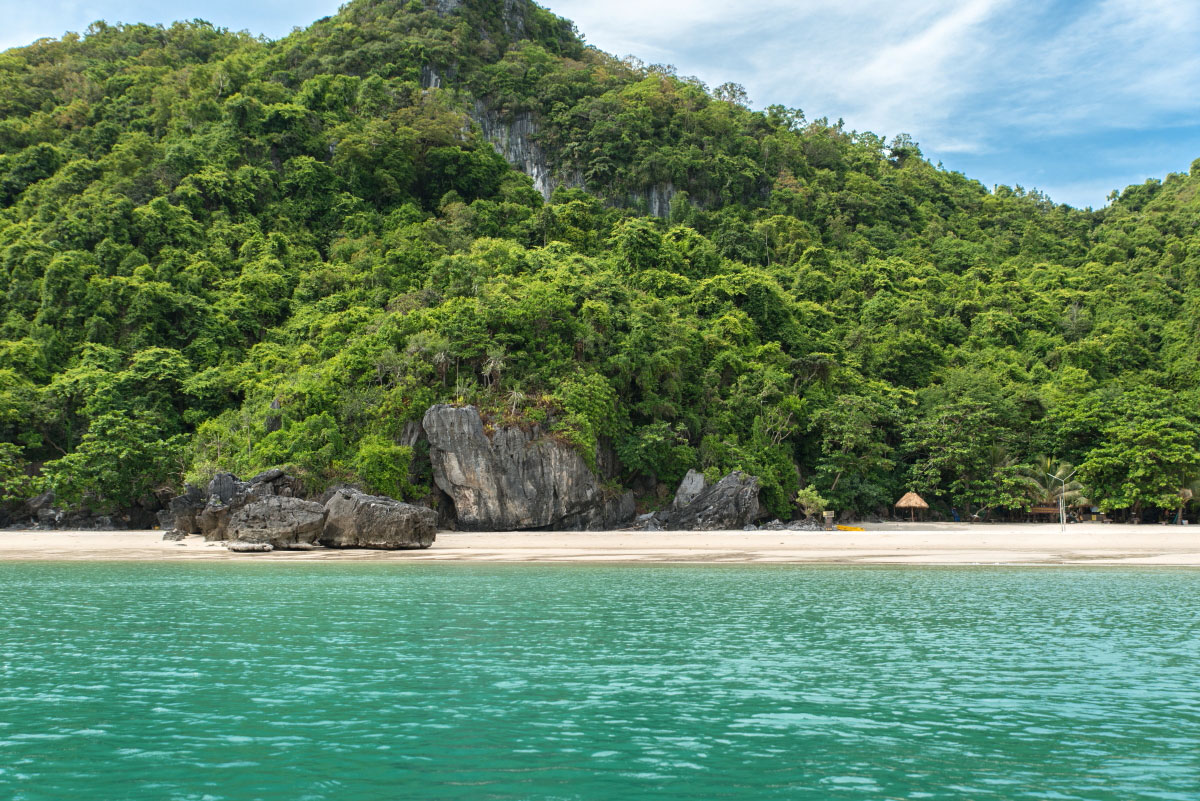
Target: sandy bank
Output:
[(1036, 544)]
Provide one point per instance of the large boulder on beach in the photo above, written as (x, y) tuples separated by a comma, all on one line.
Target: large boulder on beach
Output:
[(730, 504), (513, 478), (283, 522), (207, 510), (354, 519)]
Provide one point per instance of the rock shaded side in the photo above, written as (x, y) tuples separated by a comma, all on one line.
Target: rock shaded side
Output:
[(183, 510), (730, 504), (354, 519), (609, 514), (515, 479), (40, 513), (278, 521)]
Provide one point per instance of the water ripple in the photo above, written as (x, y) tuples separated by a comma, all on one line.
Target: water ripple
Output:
[(268, 681)]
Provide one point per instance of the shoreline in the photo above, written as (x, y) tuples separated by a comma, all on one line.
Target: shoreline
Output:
[(880, 544)]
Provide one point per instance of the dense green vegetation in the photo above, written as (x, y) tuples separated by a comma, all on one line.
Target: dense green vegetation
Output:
[(222, 252)]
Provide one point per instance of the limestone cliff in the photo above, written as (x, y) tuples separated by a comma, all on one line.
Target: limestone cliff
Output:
[(515, 479)]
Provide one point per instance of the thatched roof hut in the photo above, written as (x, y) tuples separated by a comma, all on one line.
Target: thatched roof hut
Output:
[(912, 502)]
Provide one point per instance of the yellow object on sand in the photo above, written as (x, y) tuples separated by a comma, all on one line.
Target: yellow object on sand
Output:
[(849, 528)]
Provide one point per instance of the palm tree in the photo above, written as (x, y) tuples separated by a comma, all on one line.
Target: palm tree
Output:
[(516, 399), (1049, 481), (433, 347), (494, 366), (441, 361)]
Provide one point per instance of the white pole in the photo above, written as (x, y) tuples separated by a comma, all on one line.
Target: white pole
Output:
[(1062, 499)]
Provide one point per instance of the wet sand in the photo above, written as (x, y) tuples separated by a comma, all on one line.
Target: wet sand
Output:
[(889, 543)]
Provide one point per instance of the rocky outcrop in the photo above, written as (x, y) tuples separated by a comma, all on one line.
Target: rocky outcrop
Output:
[(278, 521), (515, 478), (515, 138), (354, 519), (656, 199), (209, 511), (266, 510), (730, 504)]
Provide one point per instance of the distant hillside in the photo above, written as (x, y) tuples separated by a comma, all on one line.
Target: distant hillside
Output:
[(218, 252)]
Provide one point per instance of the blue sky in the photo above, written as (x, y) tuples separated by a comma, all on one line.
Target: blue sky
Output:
[(1074, 97)]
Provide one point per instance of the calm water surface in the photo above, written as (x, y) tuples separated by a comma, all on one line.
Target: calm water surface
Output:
[(302, 681)]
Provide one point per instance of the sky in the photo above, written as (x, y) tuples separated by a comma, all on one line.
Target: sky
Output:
[(1072, 97)]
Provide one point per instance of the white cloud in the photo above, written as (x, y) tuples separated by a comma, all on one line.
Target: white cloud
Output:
[(978, 77)]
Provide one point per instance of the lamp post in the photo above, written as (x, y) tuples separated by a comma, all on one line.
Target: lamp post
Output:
[(1062, 498)]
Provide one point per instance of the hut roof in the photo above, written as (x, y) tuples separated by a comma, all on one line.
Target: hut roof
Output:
[(911, 501)]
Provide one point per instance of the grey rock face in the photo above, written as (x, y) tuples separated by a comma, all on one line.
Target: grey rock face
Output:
[(515, 137), (213, 520), (429, 78), (657, 199), (354, 519), (279, 521), (39, 502), (224, 486), (730, 504), (444, 7), (692, 485), (515, 479)]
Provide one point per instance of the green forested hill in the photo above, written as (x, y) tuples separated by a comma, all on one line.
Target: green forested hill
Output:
[(222, 252)]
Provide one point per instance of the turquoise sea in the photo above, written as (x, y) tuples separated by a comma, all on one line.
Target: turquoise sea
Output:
[(391, 681)]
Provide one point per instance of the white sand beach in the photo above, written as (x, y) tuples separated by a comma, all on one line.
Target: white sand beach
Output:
[(891, 543)]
